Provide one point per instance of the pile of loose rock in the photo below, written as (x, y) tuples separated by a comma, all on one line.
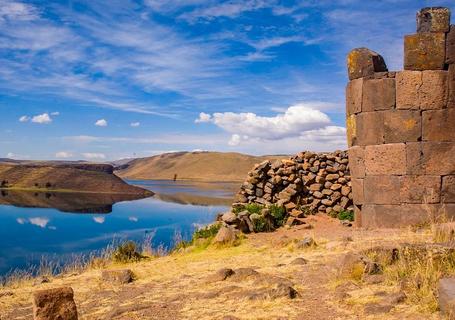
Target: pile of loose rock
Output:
[(306, 183)]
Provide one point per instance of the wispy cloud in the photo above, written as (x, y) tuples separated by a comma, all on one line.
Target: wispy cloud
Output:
[(101, 123)]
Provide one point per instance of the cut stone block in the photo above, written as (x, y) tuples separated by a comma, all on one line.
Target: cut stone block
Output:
[(414, 158), (438, 158), (448, 189), (451, 86), (351, 130), (424, 51), (407, 92), (439, 125), (433, 92), (420, 189), (421, 90), (450, 46), (354, 91), (370, 128), (402, 126), (363, 62), (358, 191), (385, 159), (378, 94), (433, 19), (357, 162), (393, 216), (382, 190), (446, 296), (54, 304)]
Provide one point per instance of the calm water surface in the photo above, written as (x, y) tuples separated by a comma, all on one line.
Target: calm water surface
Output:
[(55, 226)]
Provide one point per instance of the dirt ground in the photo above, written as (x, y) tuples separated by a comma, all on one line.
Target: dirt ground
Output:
[(181, 286)]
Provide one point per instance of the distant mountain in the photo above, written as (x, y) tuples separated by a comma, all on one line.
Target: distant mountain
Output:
[(63, 176), (198, 166)]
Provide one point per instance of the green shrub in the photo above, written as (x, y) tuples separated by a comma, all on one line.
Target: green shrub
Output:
[(238, 209), (126, 252), (278, 213), (260, 224), (346, 215), (207, 232), (254, 208)]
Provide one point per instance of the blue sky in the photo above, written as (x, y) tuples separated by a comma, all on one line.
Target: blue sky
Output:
[(103, 80)]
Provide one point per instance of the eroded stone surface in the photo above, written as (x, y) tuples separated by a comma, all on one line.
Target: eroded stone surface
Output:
[(408, 84), (424, 51), (433, 19), (378, 94), (358, 191), (363, 62), (439, 125), (370, 128), (386, 159), (448, 189), (354, 91), (433, 92), (402, 126), (450, 46), (446, 296), (357, 162), (54, 304), (420, 189), (382, 189)]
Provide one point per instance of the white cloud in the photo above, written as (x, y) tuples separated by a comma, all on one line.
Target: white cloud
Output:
[(293, 122), (203, 117), (21, 220), (24, 118), (55, 113), (135, 124), (99, 220), (40, 222), (10, 155), (63, 154), (94, 156), (14, 10), (133, 219), (42, 118), (101, 123), (235, 140)]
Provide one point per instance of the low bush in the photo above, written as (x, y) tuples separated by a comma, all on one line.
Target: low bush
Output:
[(346, 215), (126, 252), (254, 208), (207, 232), (279, 215)]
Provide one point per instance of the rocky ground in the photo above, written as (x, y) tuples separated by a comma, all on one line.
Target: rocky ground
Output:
[(279, 275)]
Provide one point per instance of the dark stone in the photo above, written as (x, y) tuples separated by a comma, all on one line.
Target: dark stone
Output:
[(363, 62)]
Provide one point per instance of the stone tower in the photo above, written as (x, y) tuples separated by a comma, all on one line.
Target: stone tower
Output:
[(401, 128)]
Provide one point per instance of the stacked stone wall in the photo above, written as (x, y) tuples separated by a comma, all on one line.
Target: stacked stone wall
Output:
[(401, 128), (308, 182)]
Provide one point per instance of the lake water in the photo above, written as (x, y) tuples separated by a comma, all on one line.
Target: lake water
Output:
[(53, 226)]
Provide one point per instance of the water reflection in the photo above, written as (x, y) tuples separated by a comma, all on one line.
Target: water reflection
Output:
[(64, 201)]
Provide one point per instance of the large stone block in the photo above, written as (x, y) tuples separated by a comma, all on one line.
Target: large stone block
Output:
[(363, 62), (450, 46), (424, 51), (433, 92), (358, 191), (351, 130), (393, 216), (53, 304), (421, 90), (357, 162), (370, 128), (407, 91), (414, 158), (381, 189), (451, 86), (402, 126), (438, 158), (378, 94), (420, 189), (439, 125), (433, 19), (448, 189), (354, 92), (386, 159)]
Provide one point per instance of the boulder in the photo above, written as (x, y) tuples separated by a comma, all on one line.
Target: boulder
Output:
[(433, 19), (52, 304), (225, 235), (229, 217), (221, 275), (363, 62), (117, 276)]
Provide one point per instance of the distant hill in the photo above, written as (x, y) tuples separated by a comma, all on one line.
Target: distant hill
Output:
[(64, 176), (202, 166)]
